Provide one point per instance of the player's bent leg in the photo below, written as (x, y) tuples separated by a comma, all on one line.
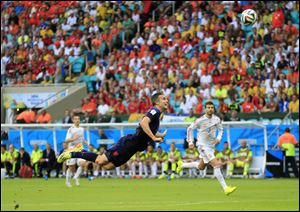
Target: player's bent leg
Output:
[(89, 156)]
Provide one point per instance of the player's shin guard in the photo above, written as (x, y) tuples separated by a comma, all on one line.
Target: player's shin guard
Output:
[(219, 176), (89, 156)]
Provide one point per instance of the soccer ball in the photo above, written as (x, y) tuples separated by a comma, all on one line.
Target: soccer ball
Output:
[(248, 17)]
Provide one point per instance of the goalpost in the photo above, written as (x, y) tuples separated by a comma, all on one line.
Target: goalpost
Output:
[(25, 135)]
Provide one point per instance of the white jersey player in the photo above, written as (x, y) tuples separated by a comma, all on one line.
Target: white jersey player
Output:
[(207, 126), (74, 139)]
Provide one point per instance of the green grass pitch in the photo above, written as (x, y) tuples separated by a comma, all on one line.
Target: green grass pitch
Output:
[(149, 194)]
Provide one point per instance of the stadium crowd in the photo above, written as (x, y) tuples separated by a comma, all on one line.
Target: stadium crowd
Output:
[(198, 53)]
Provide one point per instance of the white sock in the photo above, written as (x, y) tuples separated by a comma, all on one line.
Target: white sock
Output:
[(95, 173), (68, 176), (190, 165), (162, 168), (154, 169), (133, 169), (219, 176), (118, 171), (140, 168), (123, 173), (146, 170), (190, 172), (102, 172), (78, 172)]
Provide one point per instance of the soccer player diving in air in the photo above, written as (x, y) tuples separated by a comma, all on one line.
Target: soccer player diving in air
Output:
[(146, 133)]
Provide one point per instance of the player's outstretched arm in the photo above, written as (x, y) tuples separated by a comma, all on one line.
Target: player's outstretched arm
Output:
[(145, 126), (190, 130)]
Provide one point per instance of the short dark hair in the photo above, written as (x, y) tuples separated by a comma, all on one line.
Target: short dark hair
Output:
[(287, 130), (209, 103), (76, 114), (155, 96)]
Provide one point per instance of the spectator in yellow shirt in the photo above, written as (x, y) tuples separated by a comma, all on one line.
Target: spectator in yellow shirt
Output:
[(221, 92), (294, 104)]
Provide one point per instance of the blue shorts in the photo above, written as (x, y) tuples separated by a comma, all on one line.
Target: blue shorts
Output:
[(121, 152)]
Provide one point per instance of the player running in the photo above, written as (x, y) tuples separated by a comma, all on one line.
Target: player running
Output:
[(207, 126), (146, 133), (74, 139)]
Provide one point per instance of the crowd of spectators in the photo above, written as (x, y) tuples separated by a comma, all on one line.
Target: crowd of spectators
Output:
[(198, 53)]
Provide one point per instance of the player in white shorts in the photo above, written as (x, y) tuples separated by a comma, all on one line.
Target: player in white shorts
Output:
[(207, 126), (74, 139)]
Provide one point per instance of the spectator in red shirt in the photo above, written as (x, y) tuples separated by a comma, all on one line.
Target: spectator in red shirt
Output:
[(143, 106), (120, 107), (204, 55), (27, 116), (223, 107), (261, 105), (44, 117), (88, 106), (278, 18), (256, 98), (271, 106), (293, 76), (133, 106), (290, 29), (110, 100), (199, 106), (247, 106)]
